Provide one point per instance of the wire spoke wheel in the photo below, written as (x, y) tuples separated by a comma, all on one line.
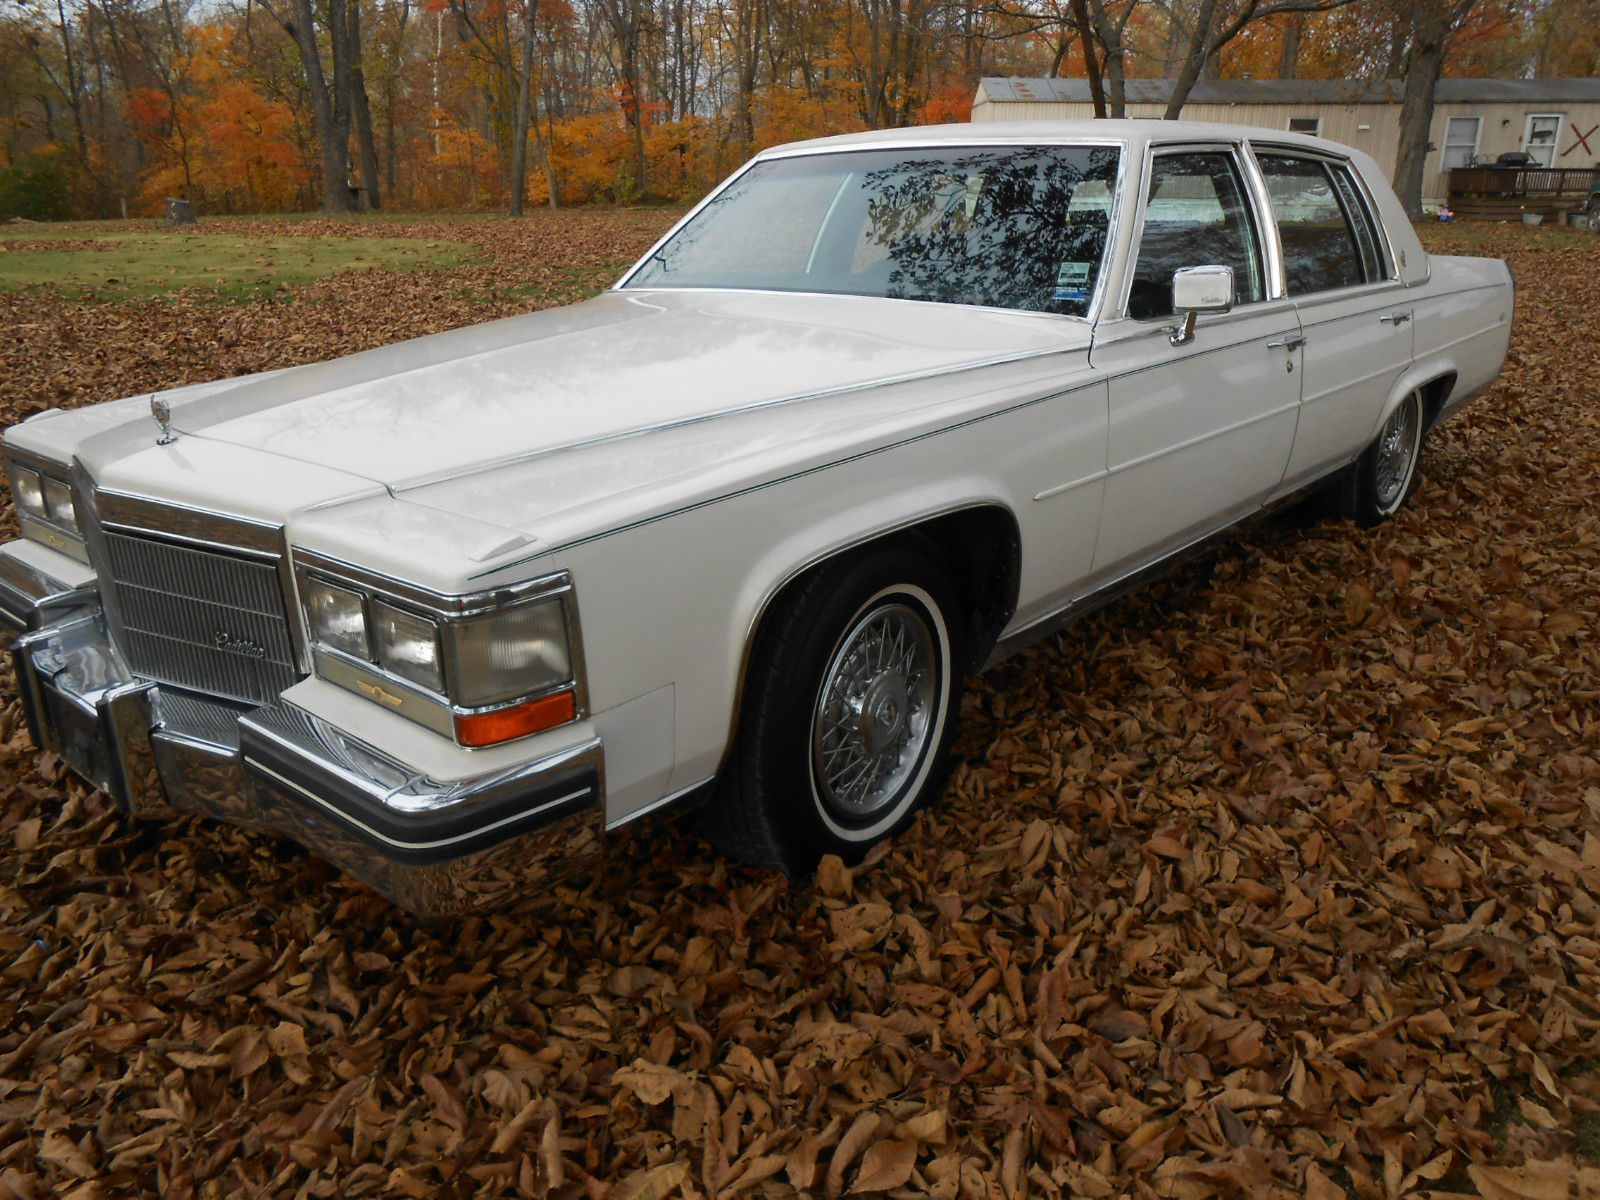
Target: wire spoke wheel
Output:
[(850, 710), (873, 722), (1398, 446)]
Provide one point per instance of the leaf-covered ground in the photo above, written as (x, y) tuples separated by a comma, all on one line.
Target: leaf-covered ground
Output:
[(126, 264), (1279, 879)]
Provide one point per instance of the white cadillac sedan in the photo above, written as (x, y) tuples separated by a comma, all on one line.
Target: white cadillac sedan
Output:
[(881, 409)]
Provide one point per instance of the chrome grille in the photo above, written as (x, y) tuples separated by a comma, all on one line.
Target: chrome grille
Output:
[(199, 719), (204, 619)]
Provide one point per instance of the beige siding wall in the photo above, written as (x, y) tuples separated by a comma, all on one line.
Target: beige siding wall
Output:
[(1373, 128), (1503, 128)]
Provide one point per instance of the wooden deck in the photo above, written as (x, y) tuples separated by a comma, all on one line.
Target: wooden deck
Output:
[(1506, 193)]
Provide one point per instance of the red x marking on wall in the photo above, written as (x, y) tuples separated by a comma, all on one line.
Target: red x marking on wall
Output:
[(1583, 140)]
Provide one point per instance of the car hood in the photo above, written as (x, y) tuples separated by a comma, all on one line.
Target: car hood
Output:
[(622, 364)]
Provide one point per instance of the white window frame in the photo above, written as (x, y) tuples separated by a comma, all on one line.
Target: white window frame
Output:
[(1554, 143), (1288, 126), (1447, 145)]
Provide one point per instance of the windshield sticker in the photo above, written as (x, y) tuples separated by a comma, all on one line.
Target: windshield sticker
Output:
[(1072, 281)]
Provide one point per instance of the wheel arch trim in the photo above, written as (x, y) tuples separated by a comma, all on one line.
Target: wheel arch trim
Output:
[(1436, 380), (907, 523)]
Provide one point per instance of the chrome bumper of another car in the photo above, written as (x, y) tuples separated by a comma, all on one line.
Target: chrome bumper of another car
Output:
[(432, 847)]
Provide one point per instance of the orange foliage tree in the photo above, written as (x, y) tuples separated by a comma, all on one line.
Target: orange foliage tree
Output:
[(227, 146), (474, 102)]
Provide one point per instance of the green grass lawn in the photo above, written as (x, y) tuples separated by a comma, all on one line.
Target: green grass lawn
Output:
[(129, 265)]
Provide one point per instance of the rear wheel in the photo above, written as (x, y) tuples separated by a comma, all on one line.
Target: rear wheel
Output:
[(1385, 475), (849, 712)]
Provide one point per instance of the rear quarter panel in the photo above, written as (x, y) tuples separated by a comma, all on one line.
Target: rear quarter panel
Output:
[(1463, 324)]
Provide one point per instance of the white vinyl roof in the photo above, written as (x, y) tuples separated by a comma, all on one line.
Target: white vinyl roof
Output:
[(1135, 132)]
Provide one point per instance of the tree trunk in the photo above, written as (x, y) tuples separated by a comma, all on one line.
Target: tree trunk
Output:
[(747, 43), (552, 185), (1108, 32), (1116, 87), (1194, 60), (913, 18), (339, 43), (391, 167), (1091, 63), (390, 82), (633, 111), (332, 137), (360, 109), (74, 87), (1431, 24), (172, 85), (626, 21), (523, 80), (680, 87), (1289, 49)]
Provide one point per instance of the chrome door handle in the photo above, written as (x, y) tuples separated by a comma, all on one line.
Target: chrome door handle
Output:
[(1396, 318), (1288, 343)]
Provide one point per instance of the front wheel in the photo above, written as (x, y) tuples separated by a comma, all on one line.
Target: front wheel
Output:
[(848, 714), (1385, 475)]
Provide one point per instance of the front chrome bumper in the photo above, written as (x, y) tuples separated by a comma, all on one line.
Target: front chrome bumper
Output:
[(432, 847)]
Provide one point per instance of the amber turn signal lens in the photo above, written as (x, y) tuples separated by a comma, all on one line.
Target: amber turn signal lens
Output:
[(505, 724)]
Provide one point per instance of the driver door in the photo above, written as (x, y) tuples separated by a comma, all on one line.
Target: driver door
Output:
[(1200, 433)]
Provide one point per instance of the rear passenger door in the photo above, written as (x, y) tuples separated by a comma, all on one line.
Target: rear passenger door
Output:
[(1355, 314), (1199, 432)]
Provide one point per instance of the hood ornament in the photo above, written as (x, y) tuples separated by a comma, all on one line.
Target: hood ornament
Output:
[(161, 410)]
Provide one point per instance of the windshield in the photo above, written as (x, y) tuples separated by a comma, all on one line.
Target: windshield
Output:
[(1008, 227)]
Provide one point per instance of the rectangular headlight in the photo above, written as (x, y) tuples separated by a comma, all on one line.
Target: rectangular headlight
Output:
[(28, 488), (510, 654), (338, 618), (48, 512), (407, 646), (58, 502), (483, 668)]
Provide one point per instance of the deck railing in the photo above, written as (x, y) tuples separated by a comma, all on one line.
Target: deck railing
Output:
[(1522, 181)]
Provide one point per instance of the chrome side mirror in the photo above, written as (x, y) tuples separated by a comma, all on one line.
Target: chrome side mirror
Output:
[(1196, 290)]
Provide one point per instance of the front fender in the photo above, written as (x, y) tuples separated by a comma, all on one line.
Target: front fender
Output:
[(846, 531)]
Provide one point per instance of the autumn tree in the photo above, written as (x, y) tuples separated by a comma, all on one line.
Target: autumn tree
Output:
[(338, 95), (1104, 30), (888, 38), (629, 21), (1561, 38), (1427, 27), (27, 91), (389, 36), (242, 105), (71, 82), (153, 46), (1105, 24), (47, 35), (1200, 30), (742, 26), (510, 40)]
